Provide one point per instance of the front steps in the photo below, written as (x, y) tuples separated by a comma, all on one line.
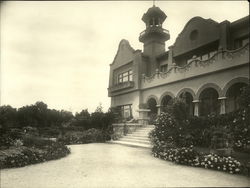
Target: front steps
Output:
[(139, 138)]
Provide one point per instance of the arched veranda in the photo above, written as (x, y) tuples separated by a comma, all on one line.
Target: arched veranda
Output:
[(209, 103), (232, 96)]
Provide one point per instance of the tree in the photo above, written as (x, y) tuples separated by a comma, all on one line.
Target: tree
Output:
[(99, 108), (82, 119), (8, 116)]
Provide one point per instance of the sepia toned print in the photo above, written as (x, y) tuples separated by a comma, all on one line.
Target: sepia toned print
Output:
[(124, 94)]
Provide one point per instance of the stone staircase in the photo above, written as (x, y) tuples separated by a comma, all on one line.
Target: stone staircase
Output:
[(139, 138)]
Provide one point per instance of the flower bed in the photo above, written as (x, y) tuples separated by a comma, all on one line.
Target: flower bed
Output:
[(22, 156), (227, 164), (175, 134), (184, 155), (188, 156), (83, 137)]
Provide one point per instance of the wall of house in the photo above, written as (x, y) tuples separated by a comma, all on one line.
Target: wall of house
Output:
[(126, 58), (128, 98), (219, 71), (220, 62), (203, 27), (124, 55), (197, 84)]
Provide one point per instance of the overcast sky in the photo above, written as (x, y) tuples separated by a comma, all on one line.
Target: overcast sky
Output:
[(59, 52)]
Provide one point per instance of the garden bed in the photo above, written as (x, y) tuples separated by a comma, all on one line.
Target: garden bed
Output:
[(219, 142), (22, 155), (192, 157)]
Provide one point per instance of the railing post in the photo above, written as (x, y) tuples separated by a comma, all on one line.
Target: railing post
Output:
[(157, 73)]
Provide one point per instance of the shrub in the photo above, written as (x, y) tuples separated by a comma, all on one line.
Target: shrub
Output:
[(8, 137), (88, 136), (49, 131), (93, 135), (216, 162), (175, 132), (184, 155), (32, 155), (244, 99), (31, 141)]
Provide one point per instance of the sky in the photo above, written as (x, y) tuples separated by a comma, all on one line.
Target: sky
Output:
[(59, 52)]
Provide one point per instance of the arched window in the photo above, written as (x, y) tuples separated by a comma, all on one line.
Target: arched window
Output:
[(151, 22), (209, 104), (233, 94)]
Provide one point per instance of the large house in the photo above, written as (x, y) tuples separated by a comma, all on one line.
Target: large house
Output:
[(206, 66)]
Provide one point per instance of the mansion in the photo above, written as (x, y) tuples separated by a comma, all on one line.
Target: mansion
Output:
[(207, 66)]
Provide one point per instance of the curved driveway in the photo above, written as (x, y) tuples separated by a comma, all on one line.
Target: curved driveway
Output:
[(110, 165)]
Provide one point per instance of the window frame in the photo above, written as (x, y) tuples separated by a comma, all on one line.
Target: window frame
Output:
[(126, 76)]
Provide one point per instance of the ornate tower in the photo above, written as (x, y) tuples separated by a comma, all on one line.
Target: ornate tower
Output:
[(154, 36)]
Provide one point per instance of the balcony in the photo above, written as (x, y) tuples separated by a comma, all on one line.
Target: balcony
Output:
[(154, 29), (220, 61), (121, 86)]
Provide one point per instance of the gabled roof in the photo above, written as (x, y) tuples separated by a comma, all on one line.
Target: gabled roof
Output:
[(196, 18), (241, 22), (123, 44), (197, 32)]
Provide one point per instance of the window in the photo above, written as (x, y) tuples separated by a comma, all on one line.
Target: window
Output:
[(245, 41), (125, 76), (126, 111), (151, 22), (241, 42), (164, 68), (204, 56)]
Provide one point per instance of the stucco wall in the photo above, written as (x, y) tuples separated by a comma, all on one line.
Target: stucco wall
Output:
[(124, 55), (204, 28), (220, 62), (129, 98), (197, 84)]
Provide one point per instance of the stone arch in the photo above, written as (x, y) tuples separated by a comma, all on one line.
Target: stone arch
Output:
[(232, 92), (208, 85), (165, 100), (186, 90), (232, 82), (154, 97), (208, 101), (164, 94), (187, 95), (152, 106)]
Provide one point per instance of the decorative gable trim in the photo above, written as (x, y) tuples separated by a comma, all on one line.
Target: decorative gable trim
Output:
[(196, 33), (123, 43)]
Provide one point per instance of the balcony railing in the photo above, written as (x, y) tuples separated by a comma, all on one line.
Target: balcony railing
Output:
[(223, 59), (121, 86), (154, 29)]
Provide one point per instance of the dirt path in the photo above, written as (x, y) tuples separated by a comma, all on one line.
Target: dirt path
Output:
[(107, 165)]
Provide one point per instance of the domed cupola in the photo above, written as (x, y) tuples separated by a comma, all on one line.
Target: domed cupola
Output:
[(153, 19)]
